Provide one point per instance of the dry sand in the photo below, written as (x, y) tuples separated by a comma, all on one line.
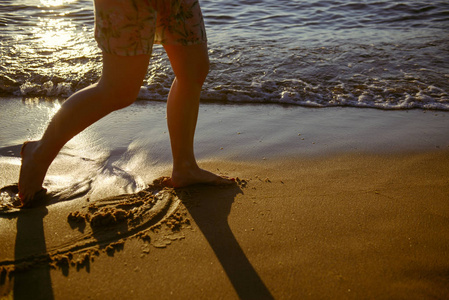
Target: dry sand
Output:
[(339, 225)]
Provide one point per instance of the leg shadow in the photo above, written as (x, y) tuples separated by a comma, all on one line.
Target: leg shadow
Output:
[(210, 208), (32, 282)]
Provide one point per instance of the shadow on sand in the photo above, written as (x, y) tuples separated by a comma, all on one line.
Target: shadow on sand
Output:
[(35, 282), (210, 208)]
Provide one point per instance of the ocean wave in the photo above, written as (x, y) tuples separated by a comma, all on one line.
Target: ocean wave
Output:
[(381, 94), (315, 53)]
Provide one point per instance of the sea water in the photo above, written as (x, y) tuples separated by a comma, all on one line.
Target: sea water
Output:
[(320, 53)]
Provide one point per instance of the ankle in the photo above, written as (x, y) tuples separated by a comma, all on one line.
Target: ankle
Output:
[(36, 151), (185, 166)]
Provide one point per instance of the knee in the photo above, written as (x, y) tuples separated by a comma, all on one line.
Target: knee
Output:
[(203, 71), (121, 98), (195, 75), (118, 97)]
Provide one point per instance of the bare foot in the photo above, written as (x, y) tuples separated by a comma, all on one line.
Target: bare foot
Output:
[(198, 176), (32, 173)]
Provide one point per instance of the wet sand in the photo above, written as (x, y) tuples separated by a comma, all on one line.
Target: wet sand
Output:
[(347, 212)]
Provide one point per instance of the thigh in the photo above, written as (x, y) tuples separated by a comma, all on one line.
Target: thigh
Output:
[(189, 63), (179, 22), (125, 27), (122, 76)]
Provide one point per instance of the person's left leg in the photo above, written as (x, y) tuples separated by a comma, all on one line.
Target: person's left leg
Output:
[(118, 87), (190, 65)]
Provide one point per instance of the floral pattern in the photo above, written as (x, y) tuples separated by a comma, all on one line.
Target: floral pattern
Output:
[(131, 27)]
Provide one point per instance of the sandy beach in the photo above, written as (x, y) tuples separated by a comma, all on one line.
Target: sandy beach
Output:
[(327, 204)]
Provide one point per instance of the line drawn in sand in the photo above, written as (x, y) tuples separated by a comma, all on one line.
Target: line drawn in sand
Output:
[(153, 215)]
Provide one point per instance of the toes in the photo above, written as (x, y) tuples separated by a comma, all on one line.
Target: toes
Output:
[(167, 181), (28, 200), (24, 200), (224, 180)]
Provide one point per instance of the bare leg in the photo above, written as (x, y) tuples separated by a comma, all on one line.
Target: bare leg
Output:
[(191, 65), (118, 87)]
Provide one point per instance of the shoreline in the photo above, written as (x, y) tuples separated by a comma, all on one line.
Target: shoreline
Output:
[(234, 131)]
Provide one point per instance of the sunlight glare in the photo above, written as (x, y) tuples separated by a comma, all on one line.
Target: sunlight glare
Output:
[(53, 3), (54, 32)]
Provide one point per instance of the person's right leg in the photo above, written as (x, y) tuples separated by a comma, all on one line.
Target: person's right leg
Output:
[(190, 65), (118, 87)]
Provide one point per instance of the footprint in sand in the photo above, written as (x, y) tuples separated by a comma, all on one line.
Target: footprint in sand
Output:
[(9, 200)]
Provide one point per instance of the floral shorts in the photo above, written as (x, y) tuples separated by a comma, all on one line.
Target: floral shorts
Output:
[(131, 27)]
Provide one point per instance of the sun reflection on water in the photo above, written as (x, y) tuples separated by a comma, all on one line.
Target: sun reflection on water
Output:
[(54, 33), (53, 3), (56, 27), (57, 47)]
